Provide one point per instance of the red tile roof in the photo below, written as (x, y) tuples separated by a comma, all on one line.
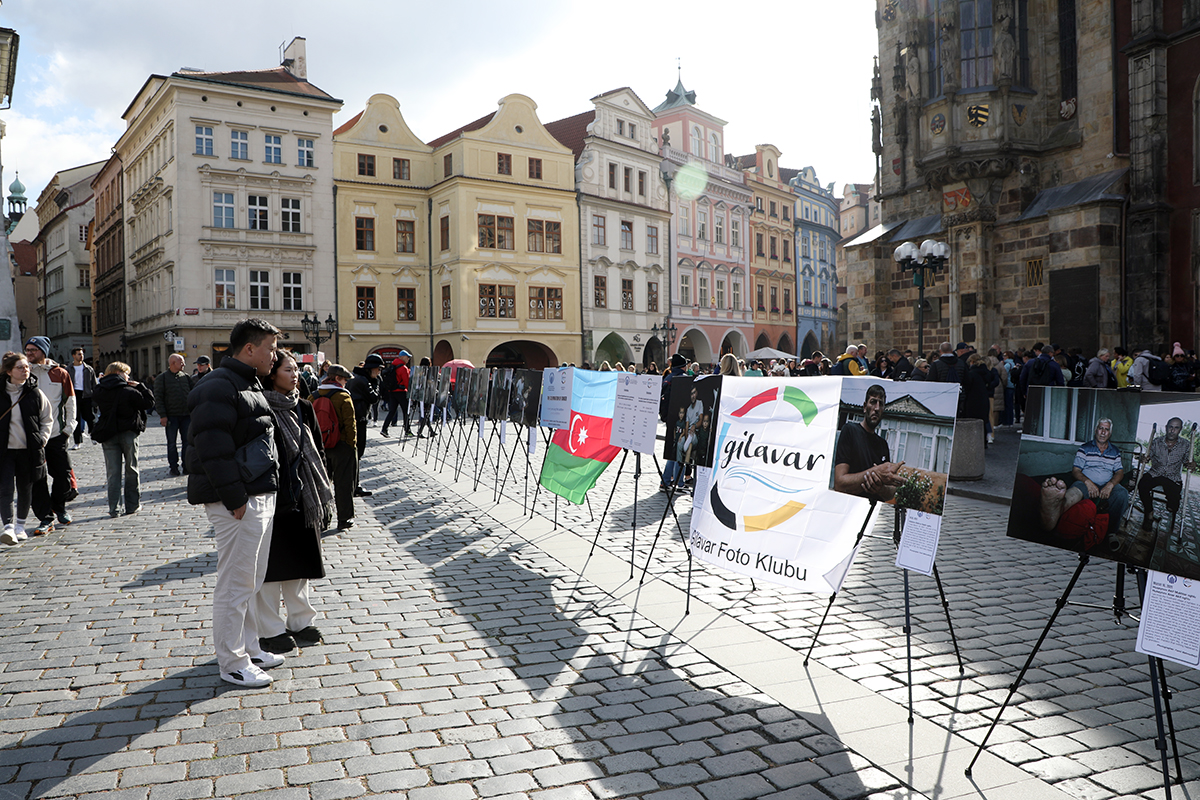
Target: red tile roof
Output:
[(25, 254), (786, 174), (272, 80), (454, 134), (348, 124), (571, 131)]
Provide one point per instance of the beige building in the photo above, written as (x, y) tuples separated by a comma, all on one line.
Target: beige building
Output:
[(228, 208), (465, 247)]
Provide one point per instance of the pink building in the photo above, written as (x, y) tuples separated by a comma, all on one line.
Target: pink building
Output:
[(711, 205)]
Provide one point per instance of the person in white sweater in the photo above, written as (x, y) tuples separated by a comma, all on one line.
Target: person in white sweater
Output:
[(25, 426)]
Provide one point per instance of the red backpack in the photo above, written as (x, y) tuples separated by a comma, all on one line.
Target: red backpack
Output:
[(327, 421)]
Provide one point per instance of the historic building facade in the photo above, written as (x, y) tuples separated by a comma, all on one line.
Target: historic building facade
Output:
[(991, 138), (228, 208), (772, 251), (64, 209), (483, 262), (711, 208), (108, 268), (624, 220), (817, 223)]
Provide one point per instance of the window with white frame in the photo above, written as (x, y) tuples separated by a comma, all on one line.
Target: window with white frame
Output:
[(736, 289), (702, 291), (274, 149), (305, 153), (652, 239), (258, 210), (701, 224), (290, 214), (292, 288), (697, 142), (714, 148), (685, 221), (222, 210), (260, 289), (626, 234), (239, 145), (719, 229), (720, 293), (685, 290), (204, 140), (735, 232), (225, 288)]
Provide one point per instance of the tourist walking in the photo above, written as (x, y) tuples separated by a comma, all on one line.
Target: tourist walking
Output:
[(171, 389), (57, 487), (83, 379), (122, 405), (339, 432), (303, 509), (364, 390), (395, 386), (231, 467), (25, 427)]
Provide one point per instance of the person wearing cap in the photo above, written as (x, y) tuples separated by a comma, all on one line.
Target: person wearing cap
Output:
[(364, 390), (171, 389), (396, 387), (56, 486), (343, 456), (203, 367)]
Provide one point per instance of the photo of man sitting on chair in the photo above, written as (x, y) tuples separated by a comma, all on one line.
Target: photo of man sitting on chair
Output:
[(1167, 455)]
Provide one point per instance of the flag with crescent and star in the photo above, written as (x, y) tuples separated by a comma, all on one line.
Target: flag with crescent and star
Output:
[(578, 454)]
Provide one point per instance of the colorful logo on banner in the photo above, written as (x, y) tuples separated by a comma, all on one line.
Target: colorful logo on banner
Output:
[(769, 512)]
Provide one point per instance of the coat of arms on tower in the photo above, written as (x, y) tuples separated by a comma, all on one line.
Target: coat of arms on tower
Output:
[(978, 115), (937, 124), (955, 197), (1020, 112)]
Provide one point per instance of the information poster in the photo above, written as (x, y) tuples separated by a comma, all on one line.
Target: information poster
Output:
[(635, 415), (1170, 626), (919, 542), (556, 397)]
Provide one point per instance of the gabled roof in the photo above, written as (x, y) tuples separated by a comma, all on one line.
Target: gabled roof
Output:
[(271, 80), (348, 124), (572, 131), (611, 92), (677, 97), (786, 174), (454, 134)]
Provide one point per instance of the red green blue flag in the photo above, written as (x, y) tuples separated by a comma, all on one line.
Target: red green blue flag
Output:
[(579, 453)]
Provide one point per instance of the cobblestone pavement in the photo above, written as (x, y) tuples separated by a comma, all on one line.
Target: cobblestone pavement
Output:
[(1082, 720), (459, 662)]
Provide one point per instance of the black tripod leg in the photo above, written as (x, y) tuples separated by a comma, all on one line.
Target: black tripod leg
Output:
[(600, 527), (1166, 695), (817, 634), (949, 624), (908, 644), (1058, 607)]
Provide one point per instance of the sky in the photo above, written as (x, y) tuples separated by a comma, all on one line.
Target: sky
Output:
[(792, 73)]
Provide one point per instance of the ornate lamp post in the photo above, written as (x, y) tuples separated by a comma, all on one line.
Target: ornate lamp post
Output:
[(313, 332), (667, 332), (931, 256)]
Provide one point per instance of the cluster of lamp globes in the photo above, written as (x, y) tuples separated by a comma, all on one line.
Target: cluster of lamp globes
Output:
[(931, 255)]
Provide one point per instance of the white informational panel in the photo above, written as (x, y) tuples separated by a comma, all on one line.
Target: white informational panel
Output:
[(635, 415), (919, 542), (1170, 626), (556, 397)]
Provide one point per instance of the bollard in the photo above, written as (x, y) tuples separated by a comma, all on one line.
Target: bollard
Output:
[(966, 457)]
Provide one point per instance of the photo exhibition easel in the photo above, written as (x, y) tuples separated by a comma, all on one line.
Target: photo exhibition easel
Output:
[(669, 508), (1158, 684)]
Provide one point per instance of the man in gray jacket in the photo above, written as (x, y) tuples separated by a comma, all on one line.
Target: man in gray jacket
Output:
[(171, 390)]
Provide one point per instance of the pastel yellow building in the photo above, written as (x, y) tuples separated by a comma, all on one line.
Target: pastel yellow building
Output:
[(465, 247)]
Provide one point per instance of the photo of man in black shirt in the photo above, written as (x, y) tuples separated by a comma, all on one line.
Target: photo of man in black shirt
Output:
[(862, 462)]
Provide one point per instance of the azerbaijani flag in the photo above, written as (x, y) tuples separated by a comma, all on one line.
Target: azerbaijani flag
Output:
[(579, 453)]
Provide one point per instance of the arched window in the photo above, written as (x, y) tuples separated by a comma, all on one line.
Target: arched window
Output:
[(697, 142), (714, 153)]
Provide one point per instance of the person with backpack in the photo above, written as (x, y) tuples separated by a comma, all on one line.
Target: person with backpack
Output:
[(848, 364), (25, 426), (947, 367), (1149, 372), (395, 391), (1041, 371), (339, 434), (122, 405), (364, 390), (1098, 374)]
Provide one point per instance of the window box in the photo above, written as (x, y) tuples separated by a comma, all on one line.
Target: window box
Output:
[(824, 305), (808, 302), (774, 309)]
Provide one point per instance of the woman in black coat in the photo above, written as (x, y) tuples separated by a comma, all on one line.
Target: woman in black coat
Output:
[(122, 405), (25, 426), (303, 509), (977, 391)]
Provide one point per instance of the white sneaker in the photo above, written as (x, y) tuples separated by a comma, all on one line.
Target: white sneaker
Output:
[(75, 445), (250, 678), (19, 532), (9, 536), (265, 660)]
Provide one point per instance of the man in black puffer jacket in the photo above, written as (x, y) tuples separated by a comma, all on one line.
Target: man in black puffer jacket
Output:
[(365, 388), (231, 470)]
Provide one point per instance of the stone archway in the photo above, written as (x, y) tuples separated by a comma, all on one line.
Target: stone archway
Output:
[(785, 344), (761, 342), (734, 342), (653, 353), (694, 346), (810, 344), (442, 353), (522, 355), (613, 348)]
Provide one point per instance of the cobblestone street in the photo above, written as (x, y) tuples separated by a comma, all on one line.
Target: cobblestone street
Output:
[(471, 651)]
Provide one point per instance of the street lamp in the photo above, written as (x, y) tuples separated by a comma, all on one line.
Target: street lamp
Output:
[(313, 332), (931, 256), (667, 332)]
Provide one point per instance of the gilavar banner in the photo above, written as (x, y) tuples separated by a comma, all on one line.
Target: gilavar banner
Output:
[(769, 512)]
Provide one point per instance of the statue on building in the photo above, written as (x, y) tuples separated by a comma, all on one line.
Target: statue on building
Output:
[(876, 131), (950, 48), (912, 70), (1006, 51)]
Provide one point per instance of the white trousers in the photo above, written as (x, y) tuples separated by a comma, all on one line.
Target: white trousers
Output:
[(294, 594), (242, 548)]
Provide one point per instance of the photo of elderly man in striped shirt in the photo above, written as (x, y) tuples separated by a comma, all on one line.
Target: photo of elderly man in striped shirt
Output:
[(1098, 472)]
